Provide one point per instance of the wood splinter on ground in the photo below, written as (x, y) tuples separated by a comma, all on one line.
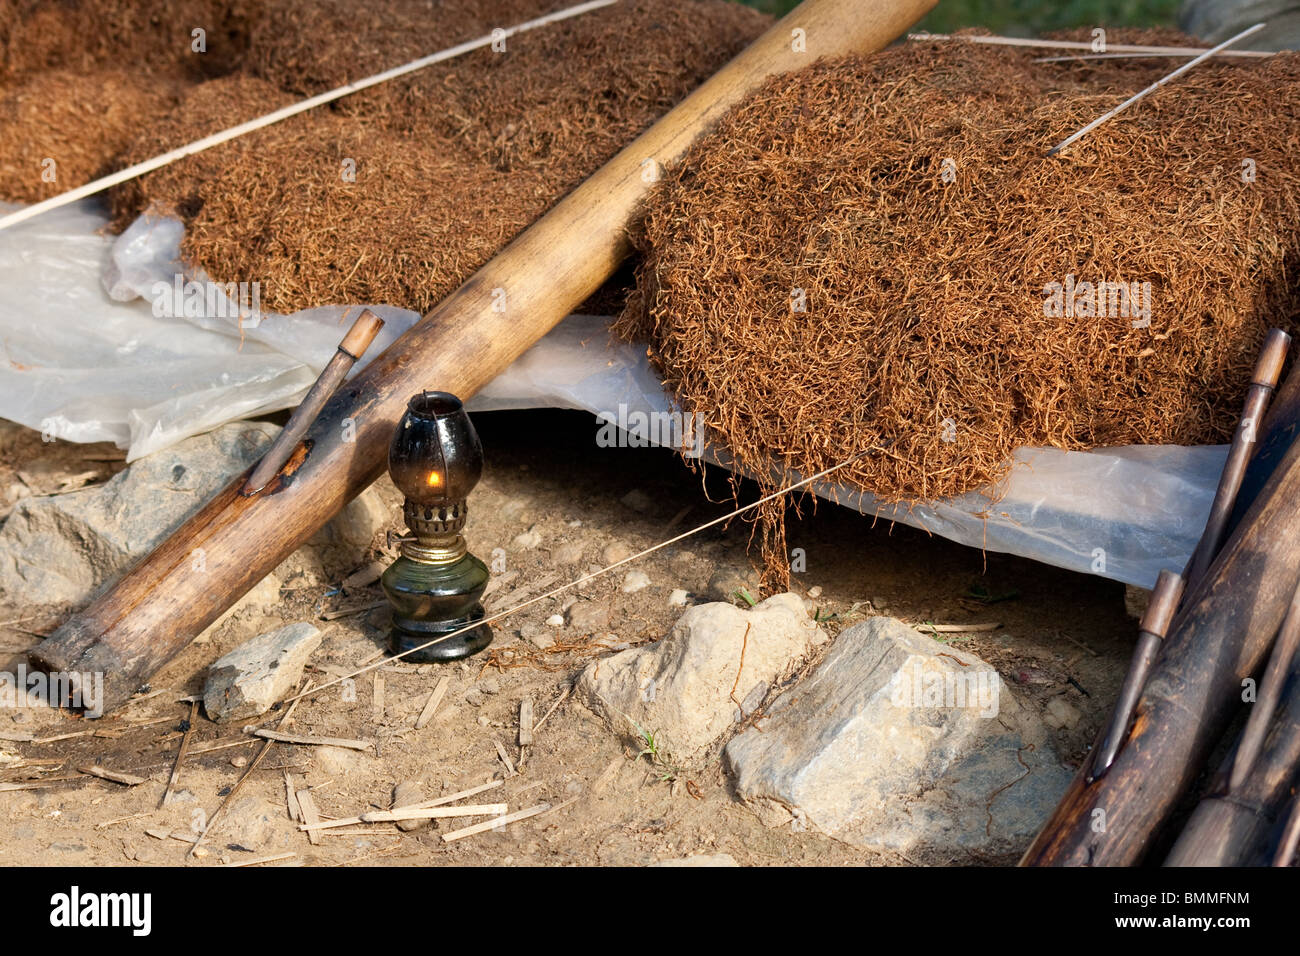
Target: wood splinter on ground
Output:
[(526, 722), (310, 741), (431, 705), (126, 779), (396, 816)]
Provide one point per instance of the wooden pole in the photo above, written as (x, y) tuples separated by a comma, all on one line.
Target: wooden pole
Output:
[(1219, 638), (1233, 829), (165, 601)]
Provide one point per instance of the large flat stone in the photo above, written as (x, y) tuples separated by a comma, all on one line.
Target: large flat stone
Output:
[(680, 688), (64, 549), (897, 741)]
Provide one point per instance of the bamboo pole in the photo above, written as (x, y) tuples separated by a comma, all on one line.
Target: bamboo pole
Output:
[(162, 604), (1233, 829), (1220, 637)]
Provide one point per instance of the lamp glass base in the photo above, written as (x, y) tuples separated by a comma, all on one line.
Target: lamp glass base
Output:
[(407, 634)]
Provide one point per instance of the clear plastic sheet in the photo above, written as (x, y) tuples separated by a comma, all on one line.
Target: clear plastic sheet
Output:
[(96, 346)]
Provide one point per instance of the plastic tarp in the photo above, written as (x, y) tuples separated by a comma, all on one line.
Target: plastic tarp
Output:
[(110, 339)]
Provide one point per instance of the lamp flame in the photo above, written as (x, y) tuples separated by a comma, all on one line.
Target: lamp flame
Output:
[(435, 479)]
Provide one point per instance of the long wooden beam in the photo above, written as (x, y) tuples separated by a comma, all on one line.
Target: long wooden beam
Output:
[(166, 600)]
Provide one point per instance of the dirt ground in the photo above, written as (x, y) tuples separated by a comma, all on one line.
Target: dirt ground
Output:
[(557, 506)]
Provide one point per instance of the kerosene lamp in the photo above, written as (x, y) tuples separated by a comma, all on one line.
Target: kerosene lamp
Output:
[(435, 460)]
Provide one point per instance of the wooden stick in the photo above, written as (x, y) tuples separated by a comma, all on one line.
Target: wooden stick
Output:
[(261, 754), (377, 698), (180, 755), (216, 139), (1154, 86), (564, 695), (1151, 634), (310, 815), (1268, 368), (1270, 695), (427, 813), (509, 818), (525, 722), (258, 861), (353, 346), (431, 705), (157, 608), (1290, 837), (422, 805), (312, 741), (1221, 636), (1234, 829), (117, 776)]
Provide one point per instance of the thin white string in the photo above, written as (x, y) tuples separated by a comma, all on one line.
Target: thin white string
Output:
[(216, 139), (1153, 87), (587, 577)]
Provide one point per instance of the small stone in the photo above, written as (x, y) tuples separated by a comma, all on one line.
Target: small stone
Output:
[(475, 697), (677, 598), (239, 761), (483, 720), (404, 794), (615, 553), (253, 677), (1061, 714), (681, 686), (638, 501), (570, 553), (335, 761), (536, 636), (815, 592), (489, 685), (555, 620), (575, 523), (527, 540), (635, 581), (200, 852), (588, 616)]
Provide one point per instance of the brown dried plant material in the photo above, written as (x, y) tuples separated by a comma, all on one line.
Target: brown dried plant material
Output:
[(450, 163), (925, 328), (136, 36), (63, 128)]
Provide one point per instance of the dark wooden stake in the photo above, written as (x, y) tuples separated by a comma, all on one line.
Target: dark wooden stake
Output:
[(353, 346), (1219, 638)]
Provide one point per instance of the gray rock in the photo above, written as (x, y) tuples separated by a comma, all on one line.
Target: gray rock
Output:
[(898, 741), (64, 549), (474, 697), (250, 679), (680, 687), (635, 581), (357, 525), (589, 616)]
